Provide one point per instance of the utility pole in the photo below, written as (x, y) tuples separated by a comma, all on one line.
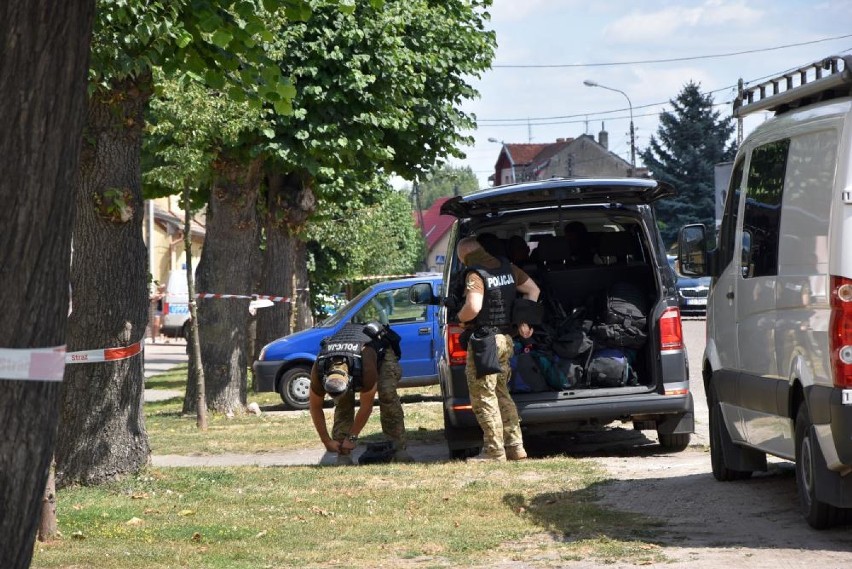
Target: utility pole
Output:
[(738, 103)]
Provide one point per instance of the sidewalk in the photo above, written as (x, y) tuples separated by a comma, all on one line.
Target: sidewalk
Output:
[(422, 452), (160, 358)]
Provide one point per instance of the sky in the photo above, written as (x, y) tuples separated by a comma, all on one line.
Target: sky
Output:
[(552, 102)]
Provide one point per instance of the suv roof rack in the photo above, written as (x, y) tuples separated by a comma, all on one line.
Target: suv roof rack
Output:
[(819, 81)]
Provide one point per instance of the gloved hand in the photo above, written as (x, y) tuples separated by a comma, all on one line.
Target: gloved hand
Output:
[(452, 302)]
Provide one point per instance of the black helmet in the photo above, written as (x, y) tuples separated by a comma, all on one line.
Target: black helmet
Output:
[(373, 330), (336, 379)]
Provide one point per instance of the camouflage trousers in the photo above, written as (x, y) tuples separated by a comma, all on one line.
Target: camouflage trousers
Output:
[(492, 404), (390, 407)]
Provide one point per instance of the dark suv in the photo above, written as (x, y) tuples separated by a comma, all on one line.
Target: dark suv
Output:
[(620, 245)]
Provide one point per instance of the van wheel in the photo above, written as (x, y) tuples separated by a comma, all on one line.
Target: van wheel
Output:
[(674, 442), (819, 515), (719, 439), (295, 387)]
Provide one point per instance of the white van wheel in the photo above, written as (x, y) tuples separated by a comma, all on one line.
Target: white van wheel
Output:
[(720, 439), (819, 515), (295, 387)]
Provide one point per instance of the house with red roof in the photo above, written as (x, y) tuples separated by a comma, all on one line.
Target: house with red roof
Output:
[(581, 157), (436, 232)]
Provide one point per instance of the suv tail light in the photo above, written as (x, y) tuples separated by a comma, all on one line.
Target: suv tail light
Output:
[(671, 331), (840, 331), (457, 353)]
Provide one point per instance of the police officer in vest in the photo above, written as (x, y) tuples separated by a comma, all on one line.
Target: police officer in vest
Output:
[(362, 359), (491, 284)]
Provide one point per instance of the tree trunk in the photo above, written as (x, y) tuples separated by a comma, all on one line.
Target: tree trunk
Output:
[(47, 524), (103, 432), (193, 348), (289, 203), (44, 53), (225, 268)]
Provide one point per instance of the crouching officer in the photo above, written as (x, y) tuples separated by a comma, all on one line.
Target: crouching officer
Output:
[(360, 359)]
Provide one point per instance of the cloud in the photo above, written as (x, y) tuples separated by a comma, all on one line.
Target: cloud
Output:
[(680, 20), (518, 10)]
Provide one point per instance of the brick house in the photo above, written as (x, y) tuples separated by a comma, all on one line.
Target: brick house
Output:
[(581, 157)]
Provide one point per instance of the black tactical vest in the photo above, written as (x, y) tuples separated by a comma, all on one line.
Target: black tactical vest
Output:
[(348, 343), (499, 295)]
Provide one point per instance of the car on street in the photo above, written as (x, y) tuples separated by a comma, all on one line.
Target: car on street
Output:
[(175, 306), (691, 292), (284, 365)]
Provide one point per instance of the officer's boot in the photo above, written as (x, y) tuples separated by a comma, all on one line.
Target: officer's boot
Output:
[(516, 452)]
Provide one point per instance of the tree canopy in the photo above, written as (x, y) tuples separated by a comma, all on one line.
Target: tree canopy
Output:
[(690, 141), (379, 88), (377, 237), (446, 181)]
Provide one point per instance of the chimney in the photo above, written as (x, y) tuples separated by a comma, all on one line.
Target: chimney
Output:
[(603, 137)]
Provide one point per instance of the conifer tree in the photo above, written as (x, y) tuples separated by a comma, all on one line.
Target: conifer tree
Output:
[(689, 142)]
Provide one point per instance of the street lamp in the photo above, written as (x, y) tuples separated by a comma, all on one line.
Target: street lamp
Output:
[(509, 154), (589, 83)]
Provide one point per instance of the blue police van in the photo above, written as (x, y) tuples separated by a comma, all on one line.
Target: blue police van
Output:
[(285, 364)]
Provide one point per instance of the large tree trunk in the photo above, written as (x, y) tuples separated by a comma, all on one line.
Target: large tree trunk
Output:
[(103, 432), (225, 268), (44, 54), (289, 202)]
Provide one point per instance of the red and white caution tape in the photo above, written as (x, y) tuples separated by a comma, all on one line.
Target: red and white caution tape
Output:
[(48, 364), (36, 364), (105, 355), (246, 296)]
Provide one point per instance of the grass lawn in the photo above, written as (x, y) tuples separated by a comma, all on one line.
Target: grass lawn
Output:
[(275, 430), (541, 512), (428, 515)]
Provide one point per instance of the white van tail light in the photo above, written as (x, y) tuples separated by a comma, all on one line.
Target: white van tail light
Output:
[(671, 331), (840, 330)]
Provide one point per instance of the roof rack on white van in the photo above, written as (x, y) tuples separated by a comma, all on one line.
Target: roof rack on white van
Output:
[(824, 79)]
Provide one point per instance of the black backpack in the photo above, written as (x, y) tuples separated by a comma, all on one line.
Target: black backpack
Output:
[(624, 322)]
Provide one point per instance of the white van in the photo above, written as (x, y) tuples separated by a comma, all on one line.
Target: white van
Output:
[(175, 305), (778, 360)]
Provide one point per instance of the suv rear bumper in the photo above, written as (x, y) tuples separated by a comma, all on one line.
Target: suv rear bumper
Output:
[(600, 410), (265, 374)]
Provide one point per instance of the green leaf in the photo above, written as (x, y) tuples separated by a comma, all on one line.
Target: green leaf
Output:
[(268, 133), (221, 38), (283, 107), (214, 79), (184, 38)]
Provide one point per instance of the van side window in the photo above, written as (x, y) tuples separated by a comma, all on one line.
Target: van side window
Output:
[(762, 216), (729, 218)]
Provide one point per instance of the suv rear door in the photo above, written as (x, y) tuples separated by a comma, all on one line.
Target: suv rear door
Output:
[(556, 192)]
